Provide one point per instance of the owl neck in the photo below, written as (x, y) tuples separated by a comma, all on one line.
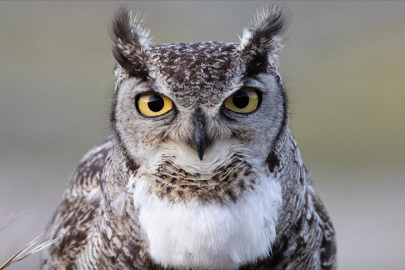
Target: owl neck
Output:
[(294, 180), (284, 163)]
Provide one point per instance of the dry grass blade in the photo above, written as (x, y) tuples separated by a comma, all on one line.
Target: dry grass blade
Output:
[(7, 223), (29, 248), (25, 251), (11, 220), (36, 249), (20, 252)]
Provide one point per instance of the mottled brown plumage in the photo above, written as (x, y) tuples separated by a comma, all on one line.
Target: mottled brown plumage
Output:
[(200, 186)]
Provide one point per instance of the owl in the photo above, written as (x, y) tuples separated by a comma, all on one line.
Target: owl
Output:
[(201, 171)]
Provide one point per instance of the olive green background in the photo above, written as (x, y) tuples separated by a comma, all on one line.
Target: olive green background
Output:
[(343, 68)]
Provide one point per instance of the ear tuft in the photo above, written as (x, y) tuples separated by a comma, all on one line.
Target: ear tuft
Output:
[(130, 43), (261, 40), (263, 34)]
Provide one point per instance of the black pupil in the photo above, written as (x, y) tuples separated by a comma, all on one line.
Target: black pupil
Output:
[(156, 103), (240, 99)]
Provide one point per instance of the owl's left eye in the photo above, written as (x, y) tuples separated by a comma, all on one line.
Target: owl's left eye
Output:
[(153, 104), (245, 100)]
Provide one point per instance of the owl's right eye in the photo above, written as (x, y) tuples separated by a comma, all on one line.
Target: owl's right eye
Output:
[(153, 104)]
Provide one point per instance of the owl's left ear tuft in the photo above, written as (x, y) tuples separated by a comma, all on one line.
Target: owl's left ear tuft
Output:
[(263, 34), (263, 37), (130, 43)]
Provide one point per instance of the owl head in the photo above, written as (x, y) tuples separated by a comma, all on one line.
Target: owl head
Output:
[(198, 107)]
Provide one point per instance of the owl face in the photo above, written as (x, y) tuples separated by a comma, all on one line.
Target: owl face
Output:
[(204, 107), (197, 107)]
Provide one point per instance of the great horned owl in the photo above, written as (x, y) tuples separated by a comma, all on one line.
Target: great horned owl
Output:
[(201, 171)]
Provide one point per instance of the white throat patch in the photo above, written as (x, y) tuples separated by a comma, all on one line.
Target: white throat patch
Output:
[(210, 236)]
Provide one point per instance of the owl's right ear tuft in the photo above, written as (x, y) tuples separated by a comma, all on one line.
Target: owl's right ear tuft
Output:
[(130, 43)]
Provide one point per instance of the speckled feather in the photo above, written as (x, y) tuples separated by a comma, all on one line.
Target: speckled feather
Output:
[(151, 163)]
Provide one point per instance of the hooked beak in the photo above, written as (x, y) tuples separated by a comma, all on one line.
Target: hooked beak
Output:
[(200, 138)]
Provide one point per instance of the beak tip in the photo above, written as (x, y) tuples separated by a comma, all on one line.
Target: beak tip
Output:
[(201, 153)]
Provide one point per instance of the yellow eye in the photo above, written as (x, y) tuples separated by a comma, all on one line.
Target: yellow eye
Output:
[(153, 104), (245, 100)]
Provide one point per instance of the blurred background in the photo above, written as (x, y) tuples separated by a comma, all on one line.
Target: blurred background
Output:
[(343, 67)]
